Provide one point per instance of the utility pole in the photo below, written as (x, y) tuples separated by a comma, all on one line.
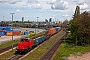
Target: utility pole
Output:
[(12, 29), (37, 22), (3, 18), (36, 25)]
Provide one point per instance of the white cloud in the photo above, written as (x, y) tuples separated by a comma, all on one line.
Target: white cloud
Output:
[(14, 1), (25, 6), (10, 1), (3, 1), (58, 4), (75, 1), (50, 9), (81, 2), (65, 15), (18, 11), (84, 6), (51, 2), (36, 6), (32, 1)]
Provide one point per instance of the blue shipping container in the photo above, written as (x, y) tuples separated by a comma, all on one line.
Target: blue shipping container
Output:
[(36, 42), (25, 33), (57, 29), (1, 28), (2, 33), (40, 39), (7, 28)]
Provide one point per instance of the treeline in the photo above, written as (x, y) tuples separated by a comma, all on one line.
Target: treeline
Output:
[(80, 28)]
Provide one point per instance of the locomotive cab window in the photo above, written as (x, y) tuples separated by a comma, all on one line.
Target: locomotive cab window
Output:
[(27, 40), (22, 40)]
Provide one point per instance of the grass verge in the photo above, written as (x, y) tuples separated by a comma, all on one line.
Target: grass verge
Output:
[(35, 55), (33, 34), (66, 49), (8, 44), (7, 55)]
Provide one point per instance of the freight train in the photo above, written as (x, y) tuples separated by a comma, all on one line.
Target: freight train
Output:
[(27, 44)]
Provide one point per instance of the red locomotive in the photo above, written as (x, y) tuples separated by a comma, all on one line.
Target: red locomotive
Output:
[(25, 45)]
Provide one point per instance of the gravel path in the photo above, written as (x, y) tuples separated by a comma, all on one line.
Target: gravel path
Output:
[(85, 56)]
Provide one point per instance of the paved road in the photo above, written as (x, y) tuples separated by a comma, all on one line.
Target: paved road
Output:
[(4, 39)]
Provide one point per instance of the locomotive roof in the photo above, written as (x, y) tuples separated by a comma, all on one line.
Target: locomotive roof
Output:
[(27, 38)]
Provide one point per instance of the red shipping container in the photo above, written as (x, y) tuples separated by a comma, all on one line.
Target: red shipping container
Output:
[(2, 31), (51, 31), (16, 33)]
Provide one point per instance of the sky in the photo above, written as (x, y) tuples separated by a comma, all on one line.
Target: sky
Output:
[(58, 10)]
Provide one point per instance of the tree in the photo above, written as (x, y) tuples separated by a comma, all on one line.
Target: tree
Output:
[(80, 28), (65, 24)]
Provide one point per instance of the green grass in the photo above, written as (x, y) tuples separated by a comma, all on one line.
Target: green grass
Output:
[(32, 35), (35, 55), (8, 44), (7, 55), (66, 49)]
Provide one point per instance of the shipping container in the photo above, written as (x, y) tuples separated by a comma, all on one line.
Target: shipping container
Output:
[(22, 32), (2, 33), (43, 38), (57, 29), (36, 42), (51, 31), (9, 33), (1, 28), (6, 28), (16, 33), (40, 39), (13, 33), (26, 33)]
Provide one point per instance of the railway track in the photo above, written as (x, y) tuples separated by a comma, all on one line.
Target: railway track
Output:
[(19, 57), (14, 45), (15, 57), (48, 55), (7, 48)]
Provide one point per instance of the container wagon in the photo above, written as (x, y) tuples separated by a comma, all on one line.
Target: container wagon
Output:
[(51, 31)]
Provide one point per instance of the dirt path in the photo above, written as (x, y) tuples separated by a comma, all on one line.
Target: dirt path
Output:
[(85, 56)]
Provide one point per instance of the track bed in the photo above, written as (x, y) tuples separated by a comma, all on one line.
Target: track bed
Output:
[(48, 55)]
